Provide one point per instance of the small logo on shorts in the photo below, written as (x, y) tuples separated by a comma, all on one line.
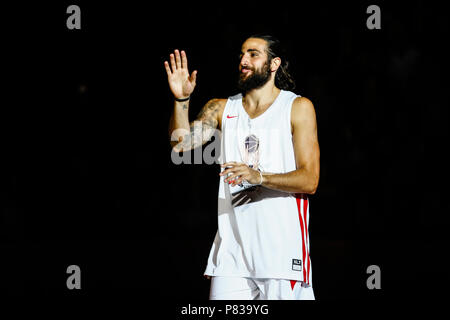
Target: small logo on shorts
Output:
[(296, 264)]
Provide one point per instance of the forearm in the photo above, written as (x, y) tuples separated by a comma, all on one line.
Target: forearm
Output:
[(297, 181), (179, 122)]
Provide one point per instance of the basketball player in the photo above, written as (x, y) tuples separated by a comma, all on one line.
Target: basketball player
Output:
[(270, 164)]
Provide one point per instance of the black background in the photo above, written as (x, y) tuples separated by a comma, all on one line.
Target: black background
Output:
[(87, 177)]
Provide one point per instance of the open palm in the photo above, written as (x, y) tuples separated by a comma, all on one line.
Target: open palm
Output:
[(180, 82)]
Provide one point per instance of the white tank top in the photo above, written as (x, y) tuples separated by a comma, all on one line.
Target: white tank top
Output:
[(262, 233)]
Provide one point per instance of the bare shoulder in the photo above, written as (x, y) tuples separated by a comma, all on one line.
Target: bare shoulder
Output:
[(302, 109), (302, 112)]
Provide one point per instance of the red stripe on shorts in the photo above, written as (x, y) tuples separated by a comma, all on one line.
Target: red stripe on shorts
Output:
[(303, 233), (305, 211)]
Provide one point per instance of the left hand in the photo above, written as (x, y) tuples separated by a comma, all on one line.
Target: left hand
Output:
[(239, 172)]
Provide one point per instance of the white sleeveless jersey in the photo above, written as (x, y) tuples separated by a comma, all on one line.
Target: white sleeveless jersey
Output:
[(262, 233)]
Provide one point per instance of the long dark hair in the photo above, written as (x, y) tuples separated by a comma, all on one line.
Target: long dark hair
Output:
[(283, 78)]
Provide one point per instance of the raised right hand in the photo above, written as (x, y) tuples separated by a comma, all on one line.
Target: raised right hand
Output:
[(181, 84)]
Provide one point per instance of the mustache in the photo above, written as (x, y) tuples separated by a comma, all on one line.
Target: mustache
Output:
[(247, 68)]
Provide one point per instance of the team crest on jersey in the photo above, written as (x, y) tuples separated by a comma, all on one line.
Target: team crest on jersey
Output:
[(251, 151), (297, 264)]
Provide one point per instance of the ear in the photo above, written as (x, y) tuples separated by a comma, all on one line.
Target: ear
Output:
[(275, 64)]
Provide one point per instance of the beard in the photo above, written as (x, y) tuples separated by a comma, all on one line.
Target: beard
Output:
[(256, 80)]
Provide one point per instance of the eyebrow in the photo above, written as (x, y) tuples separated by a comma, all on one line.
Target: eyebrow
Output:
[(251, 50)]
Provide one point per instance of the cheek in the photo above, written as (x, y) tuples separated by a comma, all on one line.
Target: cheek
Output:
[(260, 66)]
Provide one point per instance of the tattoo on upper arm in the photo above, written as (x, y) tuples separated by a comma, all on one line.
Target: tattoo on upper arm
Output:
[(209, 111), (208, 114)]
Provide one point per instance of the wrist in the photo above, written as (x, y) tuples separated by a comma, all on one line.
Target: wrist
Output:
[(261, 177), (183, 99)]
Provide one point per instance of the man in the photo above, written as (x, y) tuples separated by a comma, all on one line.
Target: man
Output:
[(270, 155)]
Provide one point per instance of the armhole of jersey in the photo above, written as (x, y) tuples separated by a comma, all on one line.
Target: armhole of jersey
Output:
[(290, 113), (223, 114)]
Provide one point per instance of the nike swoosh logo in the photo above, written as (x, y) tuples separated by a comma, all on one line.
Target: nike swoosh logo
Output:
[(229, 117)]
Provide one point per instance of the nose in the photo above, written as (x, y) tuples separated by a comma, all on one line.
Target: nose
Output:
[(244, 61)]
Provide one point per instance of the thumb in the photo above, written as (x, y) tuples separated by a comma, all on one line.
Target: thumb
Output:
[(193, 77)]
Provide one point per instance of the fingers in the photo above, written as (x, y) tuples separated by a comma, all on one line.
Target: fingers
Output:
[(178, 59), (231, 177), (234, 173), (193, 77), (234, 182), (229, 164), (172, 62), (166, 65), (228, 171), (229, 167), (237, 180), (184, 62), (237, 172)]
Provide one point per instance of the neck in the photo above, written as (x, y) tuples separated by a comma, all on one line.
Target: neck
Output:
[(261, 97)]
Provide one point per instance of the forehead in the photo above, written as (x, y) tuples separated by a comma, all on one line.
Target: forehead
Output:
[(254, 43)]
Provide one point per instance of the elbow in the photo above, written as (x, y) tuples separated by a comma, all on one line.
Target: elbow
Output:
[(173, 143), (308, 179), (311, 187), (313, 190), (314, 181)]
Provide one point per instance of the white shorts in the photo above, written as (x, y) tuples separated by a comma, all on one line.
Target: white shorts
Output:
[(235, 288)]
